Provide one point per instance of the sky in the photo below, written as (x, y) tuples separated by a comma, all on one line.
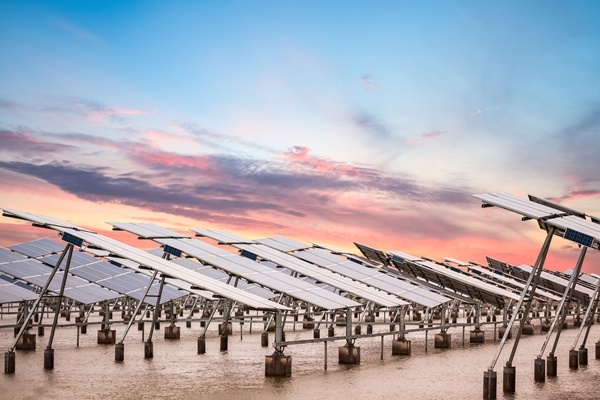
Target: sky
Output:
[(326, 121)]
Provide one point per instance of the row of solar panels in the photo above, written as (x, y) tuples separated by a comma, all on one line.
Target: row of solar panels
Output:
[(309, 274)]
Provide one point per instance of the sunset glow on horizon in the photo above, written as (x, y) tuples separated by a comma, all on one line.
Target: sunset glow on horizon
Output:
[(328, 122)]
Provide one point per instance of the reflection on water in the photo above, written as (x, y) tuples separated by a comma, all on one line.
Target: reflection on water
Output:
[(90, 372)]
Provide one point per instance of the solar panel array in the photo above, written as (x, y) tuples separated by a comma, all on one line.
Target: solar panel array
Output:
[(456, 280), (147, 260), (123, 281), (371, 277), (255, 272), (36, 273)]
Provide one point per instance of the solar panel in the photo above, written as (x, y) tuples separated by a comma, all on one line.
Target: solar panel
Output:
[(498, 277), (458, 281), (559, 284), (8, 256), (556, 206), (147, 231), (124, 281), (518, 205), (222, 236), (372, 277), (322, 275), (283, 243), (12, 293), (372, 253), (569, 222), (36, 273), (36, 248), (260, 274)]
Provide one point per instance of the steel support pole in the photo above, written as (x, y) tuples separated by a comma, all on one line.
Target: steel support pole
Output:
[(587, 314), (570, 292), (563, 301), (42, 293), (156, 307), (139, 305), (60, 296), (538, 267)]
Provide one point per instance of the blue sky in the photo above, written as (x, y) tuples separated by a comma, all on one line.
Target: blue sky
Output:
[(326, 121)]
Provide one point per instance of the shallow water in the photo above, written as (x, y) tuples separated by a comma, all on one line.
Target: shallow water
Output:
[(176, 371)]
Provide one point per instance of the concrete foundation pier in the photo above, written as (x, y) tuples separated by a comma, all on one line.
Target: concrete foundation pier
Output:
[(148, 350), (229, 328), (308, 323), (528, 329), (106, 336), (443, 340), (172, 332), (264, 339), (371, 318), (330, 332), (401, 347), (545, 326), (49, 359), (340, 321), (188, 323), (490, 381), (509, 379), (119, 352), (201, 344), (477, 336), (157, 325), (501, 331), (316, 333), (278, 365), (40, 331), (357, 330), (349, 354), (551, 365), (140, 326), (598, 350), (224, 342), (583, 356), (9, 362), (539, 370), (573, 359), (26, 342), (369, 329)]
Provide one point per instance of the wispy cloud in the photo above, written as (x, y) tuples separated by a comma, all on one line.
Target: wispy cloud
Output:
[(79, 32), (221, 141), (92, 110), (367, 82), (427, 136), (481, 111), (370, 125), (25, 144)]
